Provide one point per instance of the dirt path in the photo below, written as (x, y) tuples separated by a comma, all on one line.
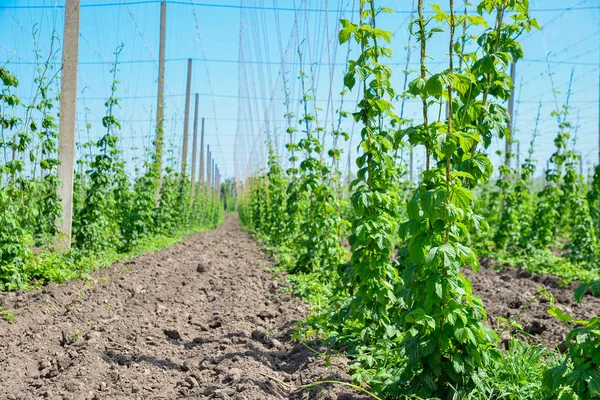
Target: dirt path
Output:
[(203, 320)]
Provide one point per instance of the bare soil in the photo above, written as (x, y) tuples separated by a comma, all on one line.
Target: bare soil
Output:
[(507, 293), (201, 320), (204, 319)]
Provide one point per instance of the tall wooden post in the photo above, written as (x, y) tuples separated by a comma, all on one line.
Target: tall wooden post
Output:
[(219, 183), (201, 177), (68, 117), (511, 106), (208, 166), (212, 173), (186, 121), (160, 106), (194, 147)]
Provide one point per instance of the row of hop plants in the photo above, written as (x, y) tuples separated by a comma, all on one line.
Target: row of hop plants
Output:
[(113, 214), (397, 301), (549, 225), (297, 209)]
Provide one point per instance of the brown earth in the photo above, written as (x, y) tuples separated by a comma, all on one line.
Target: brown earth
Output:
[(202, 320), (505, 293)]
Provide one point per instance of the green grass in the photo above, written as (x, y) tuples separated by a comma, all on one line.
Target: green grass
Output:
[(74, 264)]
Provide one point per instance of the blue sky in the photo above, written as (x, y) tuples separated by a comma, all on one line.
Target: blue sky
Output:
[(242, 102)]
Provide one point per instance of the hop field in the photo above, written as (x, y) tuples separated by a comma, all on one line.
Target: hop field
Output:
[(394, 242)]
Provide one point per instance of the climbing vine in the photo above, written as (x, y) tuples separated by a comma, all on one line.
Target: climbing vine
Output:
[(370, 277)]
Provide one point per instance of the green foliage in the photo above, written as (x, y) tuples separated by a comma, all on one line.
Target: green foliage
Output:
[(296, 200), (14, 249), (553, 231), (113, 218), (275, 224), (140, 221), (96, 225), (518, 377), (229, 195), (548, 216), (509, 230), (370, 277), (412, 327), (445, 342), (545, 262), (168, 213), (514, 226), (47, 210), (7, 315), (583, 245), (578, 376), (593, 197), (319, 251), (297, 210), (592, 286), (525, 206)]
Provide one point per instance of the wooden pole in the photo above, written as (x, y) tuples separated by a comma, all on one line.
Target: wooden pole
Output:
[(218, 183), (67, 123), (160, 107), (208, 170), (194, 147), (201, 178), (212, 173), (186, 121), (511, 116)]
